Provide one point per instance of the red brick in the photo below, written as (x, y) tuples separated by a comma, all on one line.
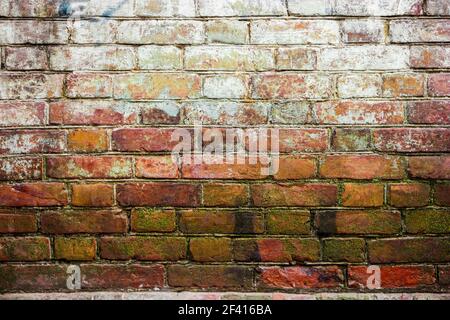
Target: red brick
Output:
[(118, 276), (237, 277), (296, 167), (409, 250), (20, 169), (351, 139), (92, 195), (73, 167), (439, 84), (429, 112), (409, 195), (225, 195), (442, 195), (444, 275), (432, 167), (276, 250), (17, 222), (412, 139), (308, 195), (31, 141), (158, 194), (93, 112), (33, 278), (358, 222), (97, 221), (301, 277), (403, 85), (393, 277), (363, 195), (17, 113), (303, 140), (143, 248), (24, 249), (161, 113), (221, 221), (157, 167), (148, 140), (33, 195), (362, 167)]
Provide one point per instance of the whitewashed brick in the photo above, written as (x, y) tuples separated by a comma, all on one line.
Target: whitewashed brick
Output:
[(87, 31), (406, 31), (378, 7), (165, 8), (26, 58), (30, 86), (311, 7), (438, 7), (33, 32), (159, 57), (357, 31), (226, 86), (227, 31), (359, 86), (241, 7)]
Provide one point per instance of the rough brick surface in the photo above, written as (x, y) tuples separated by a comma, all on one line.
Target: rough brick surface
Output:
[(96, 95)]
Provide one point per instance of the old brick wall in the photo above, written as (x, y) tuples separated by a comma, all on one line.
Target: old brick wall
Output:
[(358, 89)]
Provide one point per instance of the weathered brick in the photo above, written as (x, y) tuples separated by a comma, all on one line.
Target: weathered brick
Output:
[(34, 8), (156, 167), (288, 222), (89, 31), (366, 57), (93, 112), (165, 8), (112, 8), (156, 86), (291, 113), (144, 139), (89, 85), (12, 221), (167, 112), (159, 58), (358, 222), (363, 31), (276, 250), (427, 221), (442, 195), (75, 249), (438, 7), (349, 112), (363, 195), (189, 276), (409, 250), (296, 167), (344, 250), (444, 275), (234, 58), (291, 86), (301, 277), (91, 58), (227, 31), (432, 167), (26, 58), (33, 32), (241, 8), (303, 140), (24, 249), (430, 57), (160, 32), (409, 194), (350, 139), (22, 113), (221, 221), (310, 7), (403, 85), (153, 220), (31, 141), (429, 112), (92, 195), (32, 278), (359, 85), (309, 195), (39, 194), (24, 86), (96, 221), (87, 140), (210, 249), (225, 195), (296, 59), (72, 167), (362, 167), (20, 169), (439, 84), (225, 87), (225, 113), (158, 194), (419, 30), (412, 139), (143, 248), (393, 277), (294, 32)]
